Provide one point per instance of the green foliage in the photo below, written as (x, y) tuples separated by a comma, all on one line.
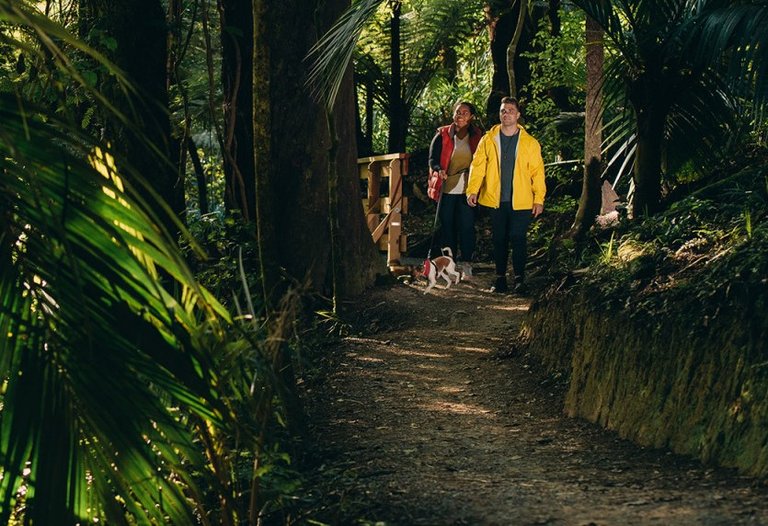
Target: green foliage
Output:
[(563, 204), (558, 62), (227, 240), (691, 69), (430, 32), (213, 172), (129, 394), (472, 83), (707, 252)]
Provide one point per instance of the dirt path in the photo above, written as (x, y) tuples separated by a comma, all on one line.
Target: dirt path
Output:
[(430, 418)]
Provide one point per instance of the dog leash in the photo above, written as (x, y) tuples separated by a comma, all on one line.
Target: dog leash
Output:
[(434, 224)]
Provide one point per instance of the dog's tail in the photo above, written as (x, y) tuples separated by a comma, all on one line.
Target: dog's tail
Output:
[(447, 251)]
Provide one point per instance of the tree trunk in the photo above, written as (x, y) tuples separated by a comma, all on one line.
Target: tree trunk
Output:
[(139, 28), (522, 6), (511, 32), (647, 170), (291, 143), (450, 63), (237, 80), (264, 167), (200, 179), (651, 113), (359, 256), (589, 204), (398, 121), (501, 28), (369, 112)]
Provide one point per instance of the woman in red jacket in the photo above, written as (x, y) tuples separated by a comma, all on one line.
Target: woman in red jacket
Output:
[(450, 156)]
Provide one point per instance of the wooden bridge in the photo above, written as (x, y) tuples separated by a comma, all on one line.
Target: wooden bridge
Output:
[(385, 204)]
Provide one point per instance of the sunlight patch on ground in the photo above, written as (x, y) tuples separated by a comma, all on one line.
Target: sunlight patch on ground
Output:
[(451, 389), (413, 376), (508, 307), (407, 352), (369, 359), (356, 339), (458, 408), (482, 350)]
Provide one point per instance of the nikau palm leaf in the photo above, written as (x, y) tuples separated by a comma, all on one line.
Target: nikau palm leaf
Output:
[(331, 56), (94, 340), (425, 33), (685, 67), (104, 368)]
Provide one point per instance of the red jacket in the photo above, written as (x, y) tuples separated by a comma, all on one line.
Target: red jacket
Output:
[(440, 152)]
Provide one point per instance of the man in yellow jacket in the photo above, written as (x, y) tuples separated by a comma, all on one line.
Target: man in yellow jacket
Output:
[(507, 176)]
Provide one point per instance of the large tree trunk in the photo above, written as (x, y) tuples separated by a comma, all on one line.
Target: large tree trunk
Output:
[(359, 256), (139, 28), (511, 32), (589, 204), (647, 171), (291, 143), (237, 80), (264, 167), (651, 113)]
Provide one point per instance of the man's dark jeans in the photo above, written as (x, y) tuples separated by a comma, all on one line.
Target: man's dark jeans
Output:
[(457, 226), (510, 226)]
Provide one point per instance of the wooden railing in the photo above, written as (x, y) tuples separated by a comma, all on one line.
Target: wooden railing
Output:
[(385, 204)]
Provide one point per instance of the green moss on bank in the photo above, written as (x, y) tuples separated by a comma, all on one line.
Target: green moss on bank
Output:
[(664, 336)]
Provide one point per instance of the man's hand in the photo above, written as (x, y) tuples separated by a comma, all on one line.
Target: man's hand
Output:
[(472, 199), (537, 209)]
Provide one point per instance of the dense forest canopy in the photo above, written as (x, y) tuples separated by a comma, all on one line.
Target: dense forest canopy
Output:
[(167, 169)]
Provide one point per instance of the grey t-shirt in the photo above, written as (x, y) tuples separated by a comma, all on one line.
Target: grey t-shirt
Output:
[(508, 154)]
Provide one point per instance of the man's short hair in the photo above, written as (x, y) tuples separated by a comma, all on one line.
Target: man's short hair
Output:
[(511, 100)]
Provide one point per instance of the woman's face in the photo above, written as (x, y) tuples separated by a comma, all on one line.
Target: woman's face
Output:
[(462, 116)]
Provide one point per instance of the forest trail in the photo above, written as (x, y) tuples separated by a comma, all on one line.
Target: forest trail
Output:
[(428, 416)]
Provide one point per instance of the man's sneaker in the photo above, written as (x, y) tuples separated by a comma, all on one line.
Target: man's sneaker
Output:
[(520, 286), (500, 285)]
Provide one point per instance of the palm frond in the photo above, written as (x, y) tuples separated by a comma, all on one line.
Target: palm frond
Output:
[(426, 33), (373, 77), (330, 57), (94, 339), (738, 32), (703, 128), (51, 39)]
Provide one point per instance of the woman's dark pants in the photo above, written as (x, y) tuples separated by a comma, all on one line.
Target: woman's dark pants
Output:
[(457, 226)]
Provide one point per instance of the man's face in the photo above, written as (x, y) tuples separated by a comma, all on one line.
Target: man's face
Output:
[(508, 114)]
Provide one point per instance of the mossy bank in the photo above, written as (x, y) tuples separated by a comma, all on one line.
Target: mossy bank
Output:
[(663, 337)]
